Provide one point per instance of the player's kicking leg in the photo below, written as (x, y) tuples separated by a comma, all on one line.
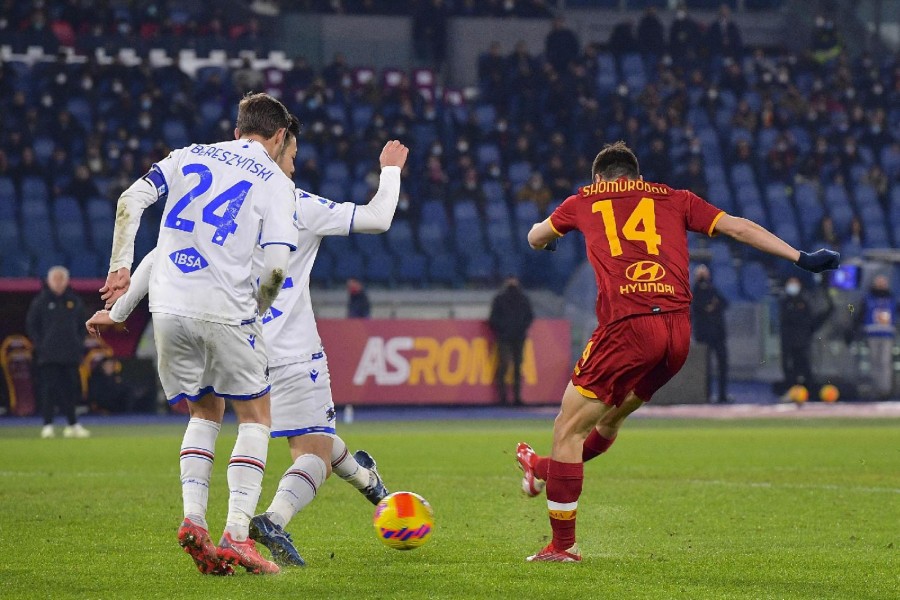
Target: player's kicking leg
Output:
[(245, 474), (359, 470), (197, 454), (534, 467), (578, 416)]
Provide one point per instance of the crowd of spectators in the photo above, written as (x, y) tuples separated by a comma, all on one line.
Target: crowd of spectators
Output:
[(745, 127)]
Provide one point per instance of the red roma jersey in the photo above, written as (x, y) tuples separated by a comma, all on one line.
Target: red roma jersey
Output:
[(636, 237)]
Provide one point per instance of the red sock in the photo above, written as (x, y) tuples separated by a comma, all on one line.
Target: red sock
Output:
[(563, 489), (595, 445)]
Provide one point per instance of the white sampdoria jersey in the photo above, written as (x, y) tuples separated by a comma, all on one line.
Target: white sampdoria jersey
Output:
[(289, 326), (222, 201)]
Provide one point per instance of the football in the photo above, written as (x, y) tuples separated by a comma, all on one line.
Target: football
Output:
[(403, 520)]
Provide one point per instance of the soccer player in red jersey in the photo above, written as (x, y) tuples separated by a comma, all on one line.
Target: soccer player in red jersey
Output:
[(636, 237)]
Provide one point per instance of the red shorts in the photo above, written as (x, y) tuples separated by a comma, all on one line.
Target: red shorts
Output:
[(640, 354)]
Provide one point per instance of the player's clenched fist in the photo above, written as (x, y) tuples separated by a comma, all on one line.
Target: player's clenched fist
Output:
[(96, 323), (394, 154)]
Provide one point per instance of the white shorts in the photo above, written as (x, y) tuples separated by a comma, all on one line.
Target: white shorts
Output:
[(301, 398), (199, 357)]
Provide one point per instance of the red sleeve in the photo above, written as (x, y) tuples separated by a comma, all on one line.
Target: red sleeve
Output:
[(700, 215), (563, 220)]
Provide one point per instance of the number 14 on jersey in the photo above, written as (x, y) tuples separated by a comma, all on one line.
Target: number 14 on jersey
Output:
[(639, 227)]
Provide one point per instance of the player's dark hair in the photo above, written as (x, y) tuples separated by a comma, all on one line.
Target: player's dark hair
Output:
[(261, 114), (293, 132), (614, 161)]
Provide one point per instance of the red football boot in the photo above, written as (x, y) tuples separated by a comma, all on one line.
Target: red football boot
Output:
[(531, 485), (245, 554), (196, 542), (551, 554)]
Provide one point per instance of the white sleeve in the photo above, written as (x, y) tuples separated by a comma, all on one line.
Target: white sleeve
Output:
[(140, 284), (322, 216), (275, 262), (148, 189), (377, 215), (279, 224), (131, 205)]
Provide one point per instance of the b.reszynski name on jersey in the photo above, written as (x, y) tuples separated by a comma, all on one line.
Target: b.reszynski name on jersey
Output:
[(221, 201), (290, 325)]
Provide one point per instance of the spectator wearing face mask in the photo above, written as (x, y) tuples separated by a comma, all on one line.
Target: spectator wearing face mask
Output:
[(708, 318), (878, 318), (799, 323)]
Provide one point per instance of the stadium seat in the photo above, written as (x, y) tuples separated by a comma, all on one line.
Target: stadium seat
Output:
[(754, 281), (379, 267), (509, 263), (368, 244), (85, 263), (15, 265), (725, 278), (486, 117), (336, 171), (10, 241), (434, 213), (432, 239), (399, 238), (100, 208), (487, 154), (412, 268), (37, 235), (442, 269), (465, 212), (175, 134), (519, 172), (46, 259), (67, 209), (333, 190), (348, 266), (34, 189), (480, 268), (493, 192), (71, 236), (323, 268)]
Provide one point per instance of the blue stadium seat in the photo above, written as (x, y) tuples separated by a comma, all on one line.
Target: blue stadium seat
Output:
[(842, 215), (175, 134), (480, 268), (442, 269), (633, 71), (721, 253), (715, 175), (865, 196), (493, 192), (306, 152), (433, 212), (742, 174), (43, 148), (379, 267), (788, 232), (37, 235), (338, 244), (412, 268), (333, 190), (527, 213), (368, 244), (84, 263), (71, 236), (102, 235), (487, 154), (7, 190), (361, 115), (80, 109), (337, 171), (348, 266), (336, 113), (607, 77), (100, 209), (486, 117), (720, 195), (46, 259), (519, 172), (15, 265), (10, 241), (67, 209), (322, 268), (400, 238), (754, 281), (725, 278), (432, 238), (211, 111), (509, 263), (469, 239), (34, 189), (464, 212)]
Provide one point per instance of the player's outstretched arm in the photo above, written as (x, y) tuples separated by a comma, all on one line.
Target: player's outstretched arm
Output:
[(378, 214), (542, 236), (129, 209), (760, 238)]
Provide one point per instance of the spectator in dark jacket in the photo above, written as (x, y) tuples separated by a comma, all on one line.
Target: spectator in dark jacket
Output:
[(708, 319), (561, 46), (54, 324), (511, 316), (358, 306), (799, 323)]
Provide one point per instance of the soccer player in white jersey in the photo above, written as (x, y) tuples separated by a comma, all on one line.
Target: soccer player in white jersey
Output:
[(302, 406), (221, 201)]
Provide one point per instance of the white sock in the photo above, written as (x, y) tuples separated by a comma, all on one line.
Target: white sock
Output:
[(198, 449), (345, 466), (245, 475), (297, 488)]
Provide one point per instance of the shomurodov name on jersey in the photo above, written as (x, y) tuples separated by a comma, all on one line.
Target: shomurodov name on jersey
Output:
[(233, 159)]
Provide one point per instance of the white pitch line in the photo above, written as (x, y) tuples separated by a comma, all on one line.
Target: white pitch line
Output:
[(797, 486)]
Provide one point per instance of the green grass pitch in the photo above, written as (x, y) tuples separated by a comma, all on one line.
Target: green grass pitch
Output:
[(677, 509)]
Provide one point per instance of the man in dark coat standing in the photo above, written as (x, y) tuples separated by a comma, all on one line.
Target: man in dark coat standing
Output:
[(799, 323), (561, 46), (511, 316), (55, 324), (708, 319)]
